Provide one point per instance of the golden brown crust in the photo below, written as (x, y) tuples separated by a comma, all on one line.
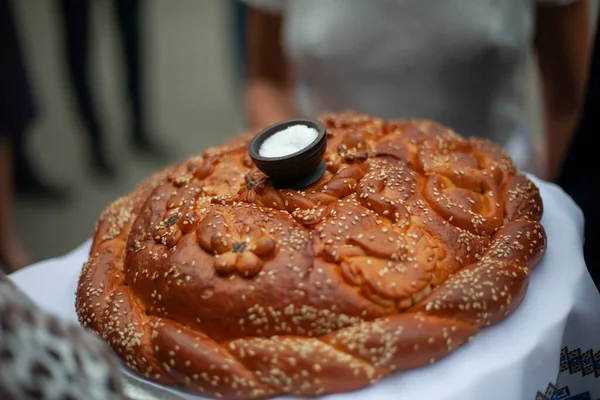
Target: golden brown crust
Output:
[(414, 239)]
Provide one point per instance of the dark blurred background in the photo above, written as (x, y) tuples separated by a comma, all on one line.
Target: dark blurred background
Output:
[(191, 59)]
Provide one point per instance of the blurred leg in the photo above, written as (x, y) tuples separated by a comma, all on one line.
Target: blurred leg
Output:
[(12, 255), (19, 107), (128, 14), (129, 17), (76, 20)]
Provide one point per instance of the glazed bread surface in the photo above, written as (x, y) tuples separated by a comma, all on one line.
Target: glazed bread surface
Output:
[(208, 278)]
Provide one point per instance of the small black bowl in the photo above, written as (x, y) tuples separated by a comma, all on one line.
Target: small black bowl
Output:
[(296, 170)]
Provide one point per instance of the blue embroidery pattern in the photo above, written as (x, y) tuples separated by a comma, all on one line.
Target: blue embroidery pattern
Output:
[(575, 362), (555, 393)]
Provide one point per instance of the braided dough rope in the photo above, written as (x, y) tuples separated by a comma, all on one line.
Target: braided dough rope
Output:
[(208, 278)]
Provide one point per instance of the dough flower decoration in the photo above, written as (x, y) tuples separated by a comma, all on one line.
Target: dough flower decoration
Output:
[(241, 251)]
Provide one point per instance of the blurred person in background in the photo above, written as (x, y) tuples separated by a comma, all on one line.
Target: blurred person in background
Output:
[(17, 112), (76, 28), (460, 63), (580, 175)]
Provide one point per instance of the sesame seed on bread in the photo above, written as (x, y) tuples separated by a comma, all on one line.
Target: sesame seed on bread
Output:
[(209, 278)]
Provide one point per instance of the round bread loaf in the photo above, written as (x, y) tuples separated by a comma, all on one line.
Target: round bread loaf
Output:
[(208, 278)]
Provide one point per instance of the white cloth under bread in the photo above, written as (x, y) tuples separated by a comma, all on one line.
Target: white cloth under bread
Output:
[(512, 360)]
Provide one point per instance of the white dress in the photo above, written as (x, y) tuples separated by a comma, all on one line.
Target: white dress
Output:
[(459, 62)]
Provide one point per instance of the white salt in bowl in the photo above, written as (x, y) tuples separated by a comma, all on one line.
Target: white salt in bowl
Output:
[(291, 151), (288, 141)]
